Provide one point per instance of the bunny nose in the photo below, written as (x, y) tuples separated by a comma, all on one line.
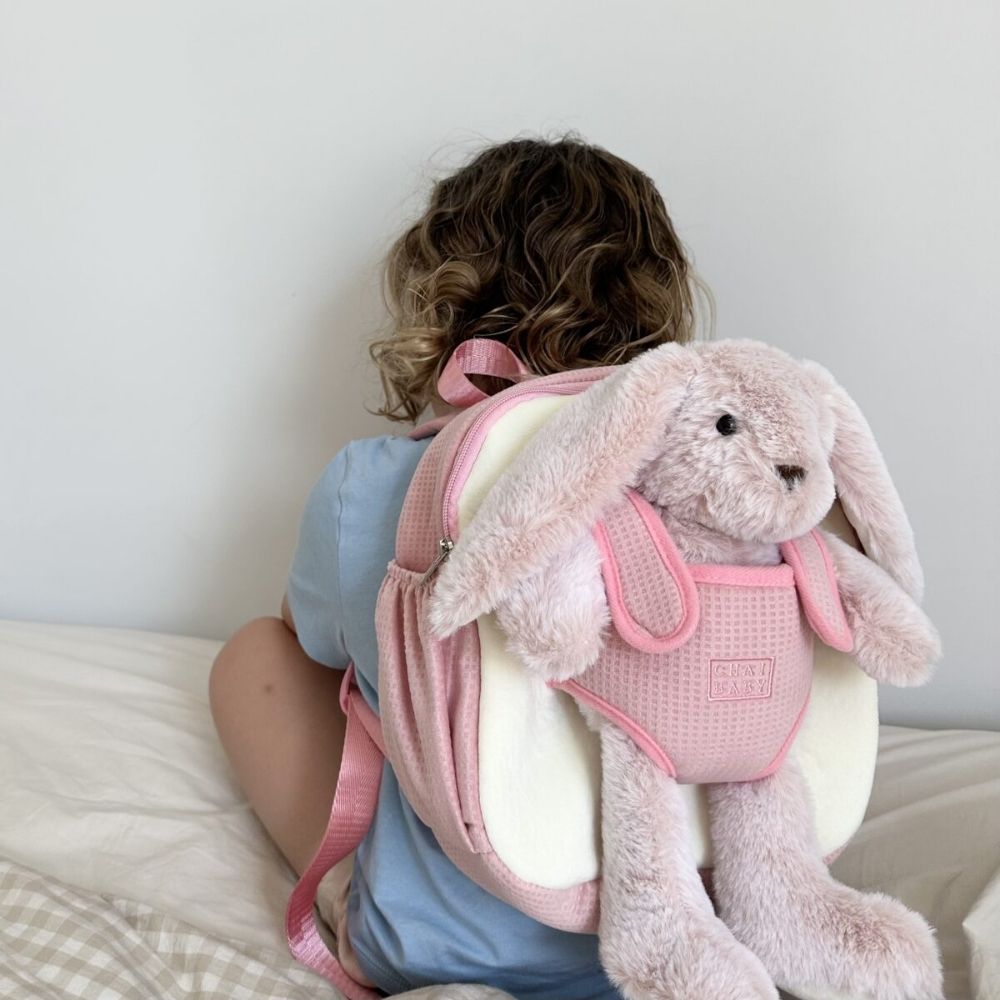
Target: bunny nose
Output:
[(791, 474)]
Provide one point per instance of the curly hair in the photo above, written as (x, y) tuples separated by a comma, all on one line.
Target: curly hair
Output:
[(559, 249)]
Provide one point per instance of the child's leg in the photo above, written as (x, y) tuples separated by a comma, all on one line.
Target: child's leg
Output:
[(279, 720)]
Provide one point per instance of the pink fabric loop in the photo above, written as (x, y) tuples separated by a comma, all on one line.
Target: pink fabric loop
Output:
[(350, 816), (477, 357), (652, 595), (818, 589)]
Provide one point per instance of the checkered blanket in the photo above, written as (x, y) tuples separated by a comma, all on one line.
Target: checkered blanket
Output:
[(58, 943)]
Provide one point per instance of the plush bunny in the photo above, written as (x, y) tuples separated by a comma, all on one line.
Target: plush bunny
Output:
[(740, 451)]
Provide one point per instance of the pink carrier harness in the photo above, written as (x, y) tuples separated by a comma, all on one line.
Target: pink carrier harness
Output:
[(708, 667)]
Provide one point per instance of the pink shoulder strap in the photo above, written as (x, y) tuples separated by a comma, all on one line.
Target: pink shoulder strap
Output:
[(478, 356), (651, 593), (816, 583), (350, 816)]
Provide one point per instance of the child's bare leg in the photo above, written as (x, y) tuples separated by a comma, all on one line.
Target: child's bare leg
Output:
[(775, 893), (279, 720)]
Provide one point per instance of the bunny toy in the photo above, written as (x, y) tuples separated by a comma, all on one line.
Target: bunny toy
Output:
[(653, 550)]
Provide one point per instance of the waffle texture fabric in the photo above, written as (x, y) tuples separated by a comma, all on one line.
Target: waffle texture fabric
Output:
[(413, 918)]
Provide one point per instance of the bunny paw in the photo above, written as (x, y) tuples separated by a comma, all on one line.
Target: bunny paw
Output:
[(864, 944), (707, 961), (894, 641), (555, 649), (555, 620), (900, 651)]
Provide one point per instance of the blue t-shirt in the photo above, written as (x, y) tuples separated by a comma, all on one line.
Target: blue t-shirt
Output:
[(413, 918)]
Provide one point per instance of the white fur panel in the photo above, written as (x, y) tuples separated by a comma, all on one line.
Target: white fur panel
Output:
[(540, 803)]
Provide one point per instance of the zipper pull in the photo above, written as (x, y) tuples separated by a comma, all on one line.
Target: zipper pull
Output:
[(445, 545)]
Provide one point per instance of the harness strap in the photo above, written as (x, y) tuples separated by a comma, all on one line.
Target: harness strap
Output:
[(651, 591), (350, 816), (816, 580)]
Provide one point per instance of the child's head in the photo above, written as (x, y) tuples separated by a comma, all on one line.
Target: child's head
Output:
[(560, 250)]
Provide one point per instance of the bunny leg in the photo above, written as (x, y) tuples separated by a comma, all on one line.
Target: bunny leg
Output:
[(555, 618), (894, 641), (775, 893), (659, 937)]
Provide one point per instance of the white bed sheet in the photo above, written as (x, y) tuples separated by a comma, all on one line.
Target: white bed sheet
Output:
[(112, 778), (112, 781)]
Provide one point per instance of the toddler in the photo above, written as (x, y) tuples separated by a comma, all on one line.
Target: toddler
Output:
[(566, 254)]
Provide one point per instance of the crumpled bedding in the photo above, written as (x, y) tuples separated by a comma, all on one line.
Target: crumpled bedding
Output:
[(57, 943), (114, 794), (931, 837)]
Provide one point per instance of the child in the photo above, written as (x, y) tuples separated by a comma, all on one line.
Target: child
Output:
[(566, 254)]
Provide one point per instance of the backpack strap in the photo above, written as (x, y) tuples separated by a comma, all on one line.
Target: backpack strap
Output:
[(816, 583), (478, 356), (350, 816), (651, 593)]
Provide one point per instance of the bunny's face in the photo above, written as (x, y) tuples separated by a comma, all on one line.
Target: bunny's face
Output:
[(747, 454)]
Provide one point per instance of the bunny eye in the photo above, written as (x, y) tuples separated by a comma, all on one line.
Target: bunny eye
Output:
[(726, 424)]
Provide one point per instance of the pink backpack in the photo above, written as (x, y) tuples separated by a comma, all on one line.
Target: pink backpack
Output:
[(508, 778)]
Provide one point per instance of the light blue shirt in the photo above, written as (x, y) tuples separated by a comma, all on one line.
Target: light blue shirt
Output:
[(413, 918)]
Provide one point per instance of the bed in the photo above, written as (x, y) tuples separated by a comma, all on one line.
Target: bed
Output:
[(131, 866)]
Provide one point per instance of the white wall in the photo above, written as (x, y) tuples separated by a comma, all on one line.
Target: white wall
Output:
[(195, 196)]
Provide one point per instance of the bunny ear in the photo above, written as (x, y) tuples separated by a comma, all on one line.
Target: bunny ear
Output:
[(866, 491), (581, 461)]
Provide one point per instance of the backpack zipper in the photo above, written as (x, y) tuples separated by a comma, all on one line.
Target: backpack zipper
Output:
[(445, 545), (530, 388)]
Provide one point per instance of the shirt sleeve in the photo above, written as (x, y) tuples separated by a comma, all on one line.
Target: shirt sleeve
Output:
[(314, 592)]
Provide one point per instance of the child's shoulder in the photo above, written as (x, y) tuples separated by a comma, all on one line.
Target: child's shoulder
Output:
[(382, 447), (364, 482), (379, 453), (384, 460)]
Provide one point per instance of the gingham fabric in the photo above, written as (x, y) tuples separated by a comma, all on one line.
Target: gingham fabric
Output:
[(57, 943)]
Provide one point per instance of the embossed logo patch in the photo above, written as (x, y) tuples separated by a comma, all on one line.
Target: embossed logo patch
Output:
[(735, 680)]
